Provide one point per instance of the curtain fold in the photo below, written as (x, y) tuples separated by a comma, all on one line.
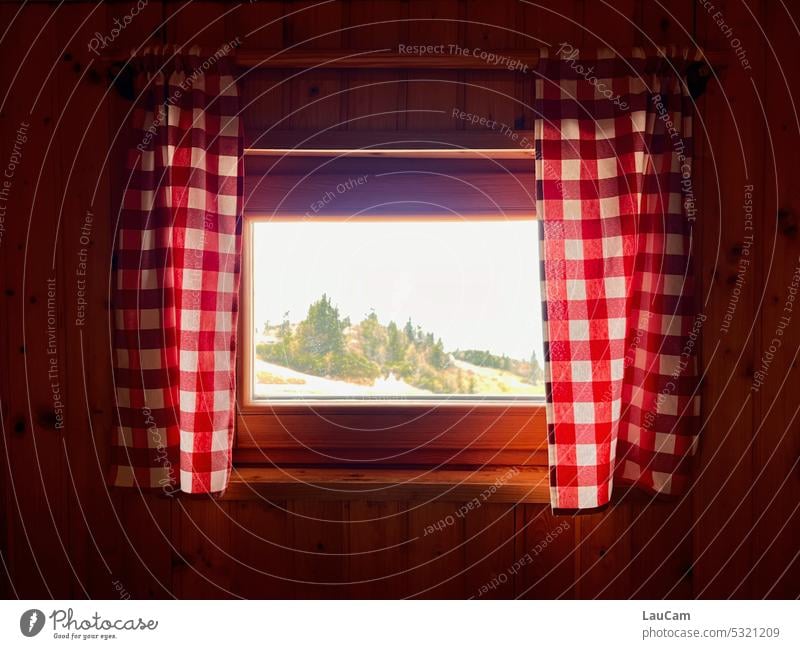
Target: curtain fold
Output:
[(616, 207), (176, 275)]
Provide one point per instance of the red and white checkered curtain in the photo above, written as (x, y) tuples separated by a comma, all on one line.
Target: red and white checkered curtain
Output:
[(176, 278), (616, 205)]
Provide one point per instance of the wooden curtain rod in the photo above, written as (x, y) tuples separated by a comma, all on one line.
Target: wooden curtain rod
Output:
[(441, 58)]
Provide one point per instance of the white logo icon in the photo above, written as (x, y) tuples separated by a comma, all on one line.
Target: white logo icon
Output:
[(31, 622)]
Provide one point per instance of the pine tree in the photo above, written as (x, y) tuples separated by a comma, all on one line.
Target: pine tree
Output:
[(409, 329), (396, 345)]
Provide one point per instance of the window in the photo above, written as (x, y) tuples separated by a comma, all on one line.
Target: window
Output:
[(391, 313), (394, 309)]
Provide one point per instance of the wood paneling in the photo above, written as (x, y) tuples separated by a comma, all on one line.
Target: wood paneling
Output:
[(65, 535), (37, 417), (546, 554), (261, 549), (775, 564)]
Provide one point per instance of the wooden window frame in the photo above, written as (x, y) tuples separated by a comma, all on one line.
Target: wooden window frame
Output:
[(360, 434)]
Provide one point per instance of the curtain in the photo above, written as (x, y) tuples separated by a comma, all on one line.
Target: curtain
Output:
[(176, 276), (616, 206)]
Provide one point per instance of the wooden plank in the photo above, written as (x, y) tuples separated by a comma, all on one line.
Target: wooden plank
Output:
[(320, 547), (776, 518), (481, 438), (721, 493), (662, 549), (378, 550), (660, 24), (546, 23), (436, 553), (439, 57), (261, 555), (312, 25), (314, 101), (314, 98), (491, 26), (400, 194), (546, 555), (435, 23), (376, 24), (81, 131), (145, 28), (7, 506), (492, 95), (384, 139), (264, 98), (604, 554), (489, 545), (201, 529), (374, 99), (503, 484), (542, 24), (36, 415), (278, 156), (432, 98), (147, 555), (198, 23), (259, 25), (610, 25), (138, 570)]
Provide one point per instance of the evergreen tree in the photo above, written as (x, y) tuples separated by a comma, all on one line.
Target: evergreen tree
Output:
[(396, 344), (438, 357), (373, 338), (409, 329), (322, 330)]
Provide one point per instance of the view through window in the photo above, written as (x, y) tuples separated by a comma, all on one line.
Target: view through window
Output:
[(396, 309)]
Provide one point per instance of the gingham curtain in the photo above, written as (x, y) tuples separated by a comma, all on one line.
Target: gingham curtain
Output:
[(616, 205), (177, 276)]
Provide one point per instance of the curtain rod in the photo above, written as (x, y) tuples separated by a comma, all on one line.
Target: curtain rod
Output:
[(121, 75)]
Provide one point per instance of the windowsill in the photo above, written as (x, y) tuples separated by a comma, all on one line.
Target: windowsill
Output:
[(496, 484)]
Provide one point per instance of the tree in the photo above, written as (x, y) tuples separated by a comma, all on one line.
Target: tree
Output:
[(396, 344), (437, 357), (373, 338), (322, 331), (409, 329), (536, 373), (285, 330)]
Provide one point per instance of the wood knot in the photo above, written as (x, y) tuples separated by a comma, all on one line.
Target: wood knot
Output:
[(48, 419)]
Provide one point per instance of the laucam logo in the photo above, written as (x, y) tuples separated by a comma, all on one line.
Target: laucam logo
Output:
[(31, 622)]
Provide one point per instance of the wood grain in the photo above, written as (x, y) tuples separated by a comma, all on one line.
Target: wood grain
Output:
[(64, 536)]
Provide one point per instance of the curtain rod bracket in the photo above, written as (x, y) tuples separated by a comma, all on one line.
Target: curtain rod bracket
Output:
[(121, 77), (697, 76)]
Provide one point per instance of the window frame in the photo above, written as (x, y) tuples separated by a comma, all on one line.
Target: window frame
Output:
[(362, 434)]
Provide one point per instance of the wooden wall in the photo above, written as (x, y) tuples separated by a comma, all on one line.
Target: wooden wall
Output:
[(64, 535)]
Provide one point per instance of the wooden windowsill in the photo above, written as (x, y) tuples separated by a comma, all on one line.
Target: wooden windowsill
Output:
[(496, 484)]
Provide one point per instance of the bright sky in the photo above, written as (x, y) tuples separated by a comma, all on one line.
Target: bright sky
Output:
[(475, 284)]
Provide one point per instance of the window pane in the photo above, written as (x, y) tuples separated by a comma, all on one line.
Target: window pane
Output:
[(396, 310)]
